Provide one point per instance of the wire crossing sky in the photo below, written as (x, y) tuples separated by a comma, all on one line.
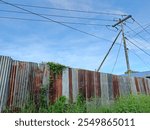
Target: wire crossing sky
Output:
[(73, 34)]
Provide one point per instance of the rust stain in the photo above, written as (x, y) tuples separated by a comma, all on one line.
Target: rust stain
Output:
[(70, 86), (137, 85), (144, 85), (81, 82), (115, 87), (11, 85), (97, 84), (59, 85)]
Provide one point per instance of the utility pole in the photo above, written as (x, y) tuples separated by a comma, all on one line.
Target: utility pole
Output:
[(120, 22)]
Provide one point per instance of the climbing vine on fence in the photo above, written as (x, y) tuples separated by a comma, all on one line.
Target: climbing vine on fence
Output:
[(56, 68)]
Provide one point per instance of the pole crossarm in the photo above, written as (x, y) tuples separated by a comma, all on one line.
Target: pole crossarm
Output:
[(122, 20)]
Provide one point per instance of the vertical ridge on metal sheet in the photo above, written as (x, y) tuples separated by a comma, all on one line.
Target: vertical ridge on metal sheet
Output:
[(65, 83), (5, 65), (141, 86), (104, 88), (7, 82), (92, 90), (124, 86), (81, 82), (137, 85), (148, 85), (133, 86), (110, 85), (87, 93), (115, 86), (75, 84), (70, 86), (97, 84), (45, 80)]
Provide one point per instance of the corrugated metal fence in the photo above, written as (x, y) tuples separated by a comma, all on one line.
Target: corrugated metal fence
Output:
[(18, 80)]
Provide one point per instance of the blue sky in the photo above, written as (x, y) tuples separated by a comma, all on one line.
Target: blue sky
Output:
[(48, 41)]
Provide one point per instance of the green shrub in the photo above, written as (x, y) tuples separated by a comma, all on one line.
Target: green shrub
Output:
[(126, 104), (59, 106)]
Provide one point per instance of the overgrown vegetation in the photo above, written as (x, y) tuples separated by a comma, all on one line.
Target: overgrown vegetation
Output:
[(126, 104), (56, 68), (60, 106)]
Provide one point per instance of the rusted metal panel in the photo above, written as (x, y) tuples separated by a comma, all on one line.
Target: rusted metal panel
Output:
[(115, 86), (104, 88), (20, 79), (70, 86), (81, 82), (89, 91), (148, 85), (65, 83), (144, 85), (97, 86), (141, 86), (5, 66), (92, 90), (133, 86), (137, 85), (75, 84), (19, 83), (124, 86), (110, 87)]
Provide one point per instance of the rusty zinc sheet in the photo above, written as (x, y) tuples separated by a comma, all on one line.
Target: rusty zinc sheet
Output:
[(5, 68), (21, 80), (93, 84)]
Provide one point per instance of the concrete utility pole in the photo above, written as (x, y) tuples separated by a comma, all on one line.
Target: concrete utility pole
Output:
[(124, 41)]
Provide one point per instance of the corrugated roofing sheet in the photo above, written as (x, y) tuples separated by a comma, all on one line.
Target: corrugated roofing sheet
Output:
[(5, 68), (19, 80)]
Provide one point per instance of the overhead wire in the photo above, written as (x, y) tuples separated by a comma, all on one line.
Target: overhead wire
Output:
[(40, 15), (7, 3), (39, 20), (117, 57), (60, 16), (70, 10), (141, 59), (137, 46), (136, 32), (142, 30), (141, 26)]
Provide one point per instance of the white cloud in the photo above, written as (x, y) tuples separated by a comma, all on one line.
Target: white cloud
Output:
[(70, 4)]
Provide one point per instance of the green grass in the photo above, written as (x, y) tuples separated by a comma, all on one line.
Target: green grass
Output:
[(127, 104), (60, 106)]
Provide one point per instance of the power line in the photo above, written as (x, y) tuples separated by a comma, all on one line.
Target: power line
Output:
[(117, 57), (39, 20), (141, 59), (137, 28), (137, 41), (54, 21), (138, 47), (142, 30), (141, 26), (62, 16), (70, 10), (136, 32)]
